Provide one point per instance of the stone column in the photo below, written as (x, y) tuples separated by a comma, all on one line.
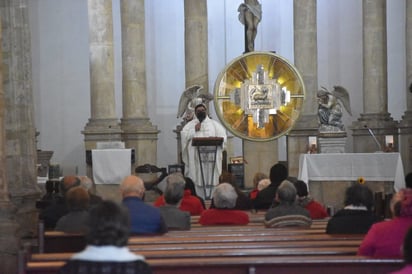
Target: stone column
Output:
[(405, 126), (196, 55), (18, 182), (375, 93), (103, 124), (306, 61), (138, 131)]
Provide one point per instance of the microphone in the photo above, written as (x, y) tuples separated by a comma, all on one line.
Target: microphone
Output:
[(374, 138)]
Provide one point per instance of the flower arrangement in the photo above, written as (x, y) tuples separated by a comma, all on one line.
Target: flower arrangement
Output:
[(361, 180)]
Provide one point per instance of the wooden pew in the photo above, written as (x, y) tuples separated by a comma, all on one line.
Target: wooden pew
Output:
[(221, 252), (55, 241), (254, 265), (168, 239)]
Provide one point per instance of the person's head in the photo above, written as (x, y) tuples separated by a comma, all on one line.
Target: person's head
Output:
[(227, 177), (258, 177), (286, 193), (359, 195), (68, 182), (264, 183), (401, 203), (407, 247), (200, 112), (225, 196), (77, 198), (301, 188), (175, 184), (86, 182), (132, 186), (278, 173), (109, 225), (408, 180)]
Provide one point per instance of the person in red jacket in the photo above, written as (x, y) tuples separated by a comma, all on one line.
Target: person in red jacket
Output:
[(189, 202), (224, 198), (316, 210)]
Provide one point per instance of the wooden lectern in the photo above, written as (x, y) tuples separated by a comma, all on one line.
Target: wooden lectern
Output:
[(206, 150)]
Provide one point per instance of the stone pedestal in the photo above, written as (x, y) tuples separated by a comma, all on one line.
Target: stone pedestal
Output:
[(332, 143)]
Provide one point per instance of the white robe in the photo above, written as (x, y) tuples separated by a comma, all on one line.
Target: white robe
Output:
[(209, 128)]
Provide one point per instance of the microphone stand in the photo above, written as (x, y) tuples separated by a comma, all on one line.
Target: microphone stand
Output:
[(374, 138)]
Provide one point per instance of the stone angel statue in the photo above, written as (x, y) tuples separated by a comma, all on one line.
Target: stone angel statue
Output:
[(191, 97), (330, 108)]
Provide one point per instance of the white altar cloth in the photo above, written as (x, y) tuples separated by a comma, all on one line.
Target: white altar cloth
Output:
[(110, 166), (350, 166)]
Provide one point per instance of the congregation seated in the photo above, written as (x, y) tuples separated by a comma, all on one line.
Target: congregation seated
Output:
[(357, 215), (384, 239), (264, 199), (173, 195), (316, 210), (51, 214), (106, 250), (144, 218), (224, 198), (242, 202), (189, 203), (287, 212), (77, 218)]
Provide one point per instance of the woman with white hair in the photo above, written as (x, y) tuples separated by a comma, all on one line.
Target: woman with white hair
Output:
[(224, 199)]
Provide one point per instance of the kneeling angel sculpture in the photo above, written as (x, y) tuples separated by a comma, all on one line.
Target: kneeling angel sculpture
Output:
[(330, 108)]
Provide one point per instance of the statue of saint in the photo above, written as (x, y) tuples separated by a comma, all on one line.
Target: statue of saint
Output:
[(330, 108), (250, 14)]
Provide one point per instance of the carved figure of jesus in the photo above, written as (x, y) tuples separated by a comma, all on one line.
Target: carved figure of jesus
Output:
[(250, 14)]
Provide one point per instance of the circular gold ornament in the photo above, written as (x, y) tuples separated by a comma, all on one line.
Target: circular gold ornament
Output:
[(259, 96)]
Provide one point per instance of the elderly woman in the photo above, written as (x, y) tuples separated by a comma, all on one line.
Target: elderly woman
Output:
[(224, 198), (384, 239), (106, 250)]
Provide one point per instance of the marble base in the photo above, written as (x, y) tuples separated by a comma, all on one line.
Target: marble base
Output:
[(331, 144)]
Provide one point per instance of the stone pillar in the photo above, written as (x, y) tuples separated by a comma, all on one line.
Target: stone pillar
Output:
[(103, 124), (306, 61), (196, 55), (405, 126), (375, 93), (18, 184), (138, 131)]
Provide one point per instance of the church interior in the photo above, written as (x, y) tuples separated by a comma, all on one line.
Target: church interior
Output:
[(76, 73)]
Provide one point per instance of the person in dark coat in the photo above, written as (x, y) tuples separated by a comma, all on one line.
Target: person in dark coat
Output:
[(51, 214), (265, 198), (357, 216), (144, 218)]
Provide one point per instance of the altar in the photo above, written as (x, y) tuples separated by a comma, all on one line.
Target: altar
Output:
[(383, 172)]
